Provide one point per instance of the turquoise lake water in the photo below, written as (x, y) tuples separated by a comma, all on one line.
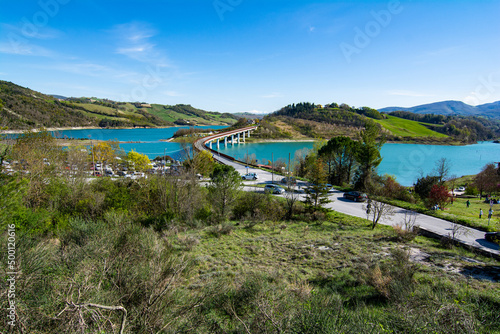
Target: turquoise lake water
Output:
[(405, 161), (149, 141)]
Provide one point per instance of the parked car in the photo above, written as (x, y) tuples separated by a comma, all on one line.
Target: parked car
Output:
[(493, 237), (356, 196), (327, 188), (289, 180), (250, 176), (273, 189)]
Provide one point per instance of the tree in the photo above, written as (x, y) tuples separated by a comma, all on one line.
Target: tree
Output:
[(39, 156), (424, 185), (105, 152), (223, 188), (439, 195), (487, 179), (377, 211), (139, 161), (368, 155), (203, 163), (340, 156), (443, 167), (317, 192), (250, 159)]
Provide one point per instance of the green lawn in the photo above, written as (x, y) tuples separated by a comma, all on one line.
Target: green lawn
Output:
[(459, 209), (407, 128), (459, 213)]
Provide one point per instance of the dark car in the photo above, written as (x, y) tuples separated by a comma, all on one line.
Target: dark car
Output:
[(327, 188), (273, 189), (493, 237), (356, 196), (289, 180)]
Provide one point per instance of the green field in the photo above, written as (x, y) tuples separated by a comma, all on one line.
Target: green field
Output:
[(407, 128), (166, 113)]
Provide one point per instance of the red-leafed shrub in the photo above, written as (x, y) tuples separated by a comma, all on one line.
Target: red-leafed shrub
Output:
[(439, 195)]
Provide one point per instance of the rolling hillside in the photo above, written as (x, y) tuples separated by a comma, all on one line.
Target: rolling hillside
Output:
[(451, 108), (408, 128), (307, 120), (23, 108)]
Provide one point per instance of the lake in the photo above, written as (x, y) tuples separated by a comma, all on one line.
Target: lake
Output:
[(148, 141), (405, 161)]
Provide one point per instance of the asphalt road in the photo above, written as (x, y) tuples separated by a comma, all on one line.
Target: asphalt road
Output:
[(466, 235)]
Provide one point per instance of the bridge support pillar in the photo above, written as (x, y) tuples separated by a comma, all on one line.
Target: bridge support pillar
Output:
[(248, 133), (217, 143), (232, 140), (243, 136), (225, 142), (238, 138), (210, 144)]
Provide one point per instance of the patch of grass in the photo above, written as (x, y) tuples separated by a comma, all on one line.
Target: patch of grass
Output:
[(459, 213), (408, 128)]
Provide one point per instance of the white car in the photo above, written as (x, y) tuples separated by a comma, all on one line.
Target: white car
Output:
[(273, 189), (250, 176)]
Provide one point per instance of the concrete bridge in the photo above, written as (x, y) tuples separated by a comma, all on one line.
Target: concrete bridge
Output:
[(233, 137)]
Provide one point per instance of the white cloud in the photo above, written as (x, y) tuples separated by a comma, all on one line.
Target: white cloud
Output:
[(442, 53), (30, 31), (408, 93), (173, 93), (24, 48), (134, 41), (93, 70), (255, 112), (272, 96)]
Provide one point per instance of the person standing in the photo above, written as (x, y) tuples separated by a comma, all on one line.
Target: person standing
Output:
[(468, 203), (480, 213)]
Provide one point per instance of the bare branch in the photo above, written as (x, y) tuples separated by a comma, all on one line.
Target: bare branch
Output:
[(105, 307)]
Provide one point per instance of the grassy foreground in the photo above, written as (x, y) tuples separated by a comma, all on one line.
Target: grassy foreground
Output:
[(334, 275)]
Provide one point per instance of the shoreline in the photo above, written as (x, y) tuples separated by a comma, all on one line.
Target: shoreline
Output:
[(258, 141), (95, 128)]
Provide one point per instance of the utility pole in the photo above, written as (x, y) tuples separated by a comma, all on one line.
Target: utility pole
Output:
[(272, 167), (289, 164), (93, 161)]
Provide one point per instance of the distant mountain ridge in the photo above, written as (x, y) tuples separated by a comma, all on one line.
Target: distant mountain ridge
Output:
[(451, 108)]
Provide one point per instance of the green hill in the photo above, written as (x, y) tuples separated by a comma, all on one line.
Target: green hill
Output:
[(307, 120), (23, 108), (407, 128)]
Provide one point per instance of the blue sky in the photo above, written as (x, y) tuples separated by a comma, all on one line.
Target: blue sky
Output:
[(253, 55)]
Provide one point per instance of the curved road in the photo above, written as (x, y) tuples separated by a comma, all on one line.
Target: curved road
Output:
[(469, 236)]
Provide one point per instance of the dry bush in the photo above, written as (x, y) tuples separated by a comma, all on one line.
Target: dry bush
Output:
[(404, 235), (407, 229), (187, 242), (393, 279), (380, 281), (221, 229), (301, 289)]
